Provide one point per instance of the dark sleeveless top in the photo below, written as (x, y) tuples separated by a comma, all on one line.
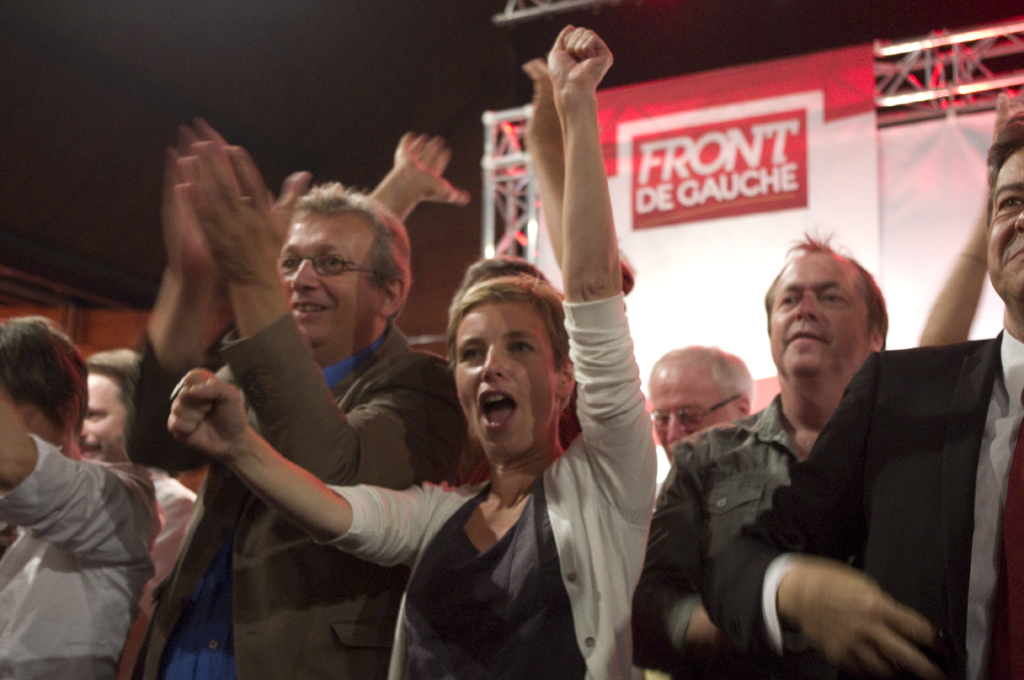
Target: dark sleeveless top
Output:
[(501, 613)]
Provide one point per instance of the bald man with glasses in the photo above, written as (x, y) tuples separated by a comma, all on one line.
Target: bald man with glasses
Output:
[(694, 388), (825, 316)]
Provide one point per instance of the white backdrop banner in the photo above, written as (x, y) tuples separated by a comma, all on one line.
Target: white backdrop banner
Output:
[(933, 189), (715, 176)]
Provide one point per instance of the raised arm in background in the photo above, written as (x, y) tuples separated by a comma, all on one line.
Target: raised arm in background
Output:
[(952, 314), (546, 145), (418, 176)]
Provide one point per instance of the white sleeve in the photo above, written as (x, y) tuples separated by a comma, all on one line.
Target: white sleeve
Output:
[(391, 527), (105, 512), (617, 432)]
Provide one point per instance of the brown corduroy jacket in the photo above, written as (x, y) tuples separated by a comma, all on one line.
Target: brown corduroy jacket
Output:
[(303, 610)]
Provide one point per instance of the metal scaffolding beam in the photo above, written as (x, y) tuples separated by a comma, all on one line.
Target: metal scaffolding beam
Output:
[(518, 11), (917, 79), (944, 71)]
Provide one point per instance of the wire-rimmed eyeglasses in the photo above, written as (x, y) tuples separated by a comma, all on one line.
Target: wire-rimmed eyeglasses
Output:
[(689, 416), (324, 265)]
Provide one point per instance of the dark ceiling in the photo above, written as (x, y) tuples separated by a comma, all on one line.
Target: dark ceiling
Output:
[(91, 93)]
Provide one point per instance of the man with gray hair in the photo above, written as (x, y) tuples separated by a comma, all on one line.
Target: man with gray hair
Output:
[(826, 315), (77, 532), (315, 282), (694, 388)]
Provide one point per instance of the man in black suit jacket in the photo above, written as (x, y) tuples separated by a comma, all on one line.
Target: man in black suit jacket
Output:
[(904, 484)]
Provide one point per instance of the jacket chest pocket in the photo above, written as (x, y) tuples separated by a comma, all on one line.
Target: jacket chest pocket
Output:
[(731, 505)]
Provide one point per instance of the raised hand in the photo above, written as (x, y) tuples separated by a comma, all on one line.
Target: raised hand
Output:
[(188, 256), (208, 414), (418, 176), (243, 226), (184, 317), (590, 258), (578, 61), (1006, 109)]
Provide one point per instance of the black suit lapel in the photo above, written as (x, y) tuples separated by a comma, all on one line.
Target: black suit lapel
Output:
[(965, 425)]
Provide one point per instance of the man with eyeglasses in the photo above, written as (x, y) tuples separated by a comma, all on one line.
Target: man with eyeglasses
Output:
[(694, 388), (825, 316), (315, 282)]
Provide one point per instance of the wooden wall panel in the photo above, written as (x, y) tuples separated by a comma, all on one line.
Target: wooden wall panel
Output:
[(92, 330)]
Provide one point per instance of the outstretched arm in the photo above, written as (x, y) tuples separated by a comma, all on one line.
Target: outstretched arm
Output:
[(590, 262), (208, 415), (418, 176), (953, 313)]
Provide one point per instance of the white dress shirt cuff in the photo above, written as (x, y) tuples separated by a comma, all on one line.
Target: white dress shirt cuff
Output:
[(780, 640)]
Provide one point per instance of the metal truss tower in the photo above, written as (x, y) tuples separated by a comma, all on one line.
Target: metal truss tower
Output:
[(509, 190), (941, 74)]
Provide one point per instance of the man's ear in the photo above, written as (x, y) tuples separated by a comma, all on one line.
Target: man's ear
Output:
[(877, 341), (743, 404), (393, 294)]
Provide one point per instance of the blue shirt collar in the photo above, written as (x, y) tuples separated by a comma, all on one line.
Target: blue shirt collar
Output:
[(335, 373)]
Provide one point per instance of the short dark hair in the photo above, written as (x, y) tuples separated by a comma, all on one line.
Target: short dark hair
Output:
[(1009, 141), (878, 317), (122, 367), (39, 365)]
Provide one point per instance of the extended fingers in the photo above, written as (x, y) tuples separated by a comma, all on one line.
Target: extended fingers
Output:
[(412, 145), (206, 132), (250, 181), (910, 632), (435, 155), (294, 187), (215, 172)]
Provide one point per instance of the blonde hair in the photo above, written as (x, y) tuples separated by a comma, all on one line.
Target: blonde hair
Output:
[(527, 290)]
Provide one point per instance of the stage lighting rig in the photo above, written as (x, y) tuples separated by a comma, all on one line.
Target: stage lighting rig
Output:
[(517, 11), (947, 71)]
